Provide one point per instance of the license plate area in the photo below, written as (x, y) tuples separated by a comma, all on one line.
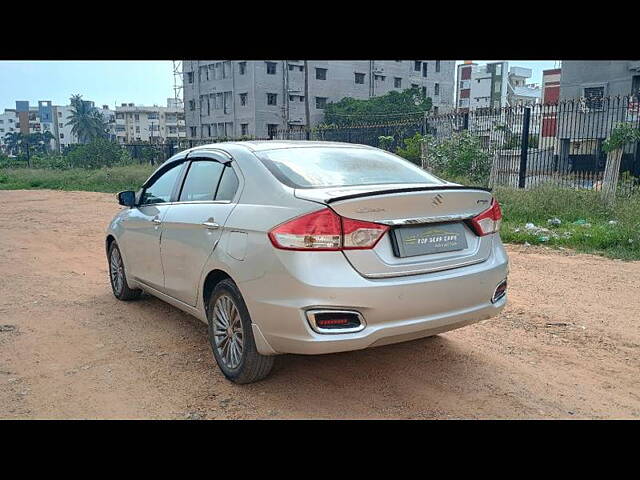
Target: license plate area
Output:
[(428, 239)]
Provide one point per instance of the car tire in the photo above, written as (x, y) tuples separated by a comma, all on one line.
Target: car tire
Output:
[(118, 276), (231, 336)]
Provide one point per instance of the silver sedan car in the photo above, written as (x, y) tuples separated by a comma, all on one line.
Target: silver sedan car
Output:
[(307, 248)]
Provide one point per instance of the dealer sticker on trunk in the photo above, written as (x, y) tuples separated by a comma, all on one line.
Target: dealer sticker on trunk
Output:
[(428, 239)]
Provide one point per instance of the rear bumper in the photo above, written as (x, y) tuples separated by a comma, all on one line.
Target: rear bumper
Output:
[(395, 309)]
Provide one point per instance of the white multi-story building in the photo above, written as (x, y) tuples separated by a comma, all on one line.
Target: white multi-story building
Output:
[(231, 98), (137, 123), (494, 85), (8, 124)]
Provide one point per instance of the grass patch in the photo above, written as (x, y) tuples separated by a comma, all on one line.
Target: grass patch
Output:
[(587, 225), (108, 179)]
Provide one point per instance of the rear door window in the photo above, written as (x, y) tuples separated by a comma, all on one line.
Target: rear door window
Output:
[(201, 182)]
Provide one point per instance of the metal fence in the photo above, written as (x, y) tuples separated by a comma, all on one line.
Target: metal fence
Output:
[(558, 143)]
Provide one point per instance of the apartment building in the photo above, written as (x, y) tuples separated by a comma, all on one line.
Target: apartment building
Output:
[(550, 98), (596, 79), (47, 117), (137, 123), (493, 85), (231, 98), (9, 123), (585, 84)]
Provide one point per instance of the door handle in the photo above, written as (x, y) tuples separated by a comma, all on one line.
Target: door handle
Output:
[(157, 221), (211, 225)]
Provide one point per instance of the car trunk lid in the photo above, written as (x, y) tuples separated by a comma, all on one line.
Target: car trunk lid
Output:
[(419, 209)]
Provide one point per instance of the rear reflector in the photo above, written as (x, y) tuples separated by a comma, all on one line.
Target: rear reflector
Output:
[(501, 291), (488, 221), (335, 321), (326, 230)]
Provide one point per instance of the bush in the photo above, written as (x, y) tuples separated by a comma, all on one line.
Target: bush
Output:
[(411, 150), (98, 153), (461, 155), (53, 161)]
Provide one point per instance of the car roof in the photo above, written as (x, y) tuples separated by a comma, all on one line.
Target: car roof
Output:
[(253, 146), (264, 145)]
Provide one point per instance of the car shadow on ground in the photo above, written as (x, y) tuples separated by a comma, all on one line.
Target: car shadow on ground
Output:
[(425, 375)]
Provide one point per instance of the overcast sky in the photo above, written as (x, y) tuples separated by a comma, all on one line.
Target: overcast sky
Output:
[(112, 82)]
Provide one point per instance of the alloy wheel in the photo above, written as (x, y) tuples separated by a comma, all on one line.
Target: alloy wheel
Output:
[(227, 331), (116, 270)]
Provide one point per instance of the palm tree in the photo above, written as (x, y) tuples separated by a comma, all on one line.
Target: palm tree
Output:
[(12, 141), (86, 121)]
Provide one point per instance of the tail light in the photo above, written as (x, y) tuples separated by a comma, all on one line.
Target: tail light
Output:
[(488, 221), (326, 230)]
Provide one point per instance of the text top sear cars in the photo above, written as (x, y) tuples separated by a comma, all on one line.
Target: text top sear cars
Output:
[(307, 248)]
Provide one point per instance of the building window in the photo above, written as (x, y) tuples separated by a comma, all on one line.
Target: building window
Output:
[(192, 105), (271, 68), (424, 91), (379, 78), (321, 103), (272, 130), (192, 131), (593, 97), (242, 66), (243, 99), (359, 78), (435, 110), (227, 101), (635, 87), (414, 85), (397, 82), (436, 89), (272, 99), (321, 73), (437, 66), (417, 65), (424, 69), (189, 77), (136, 117), (62, 135), (244, 129)]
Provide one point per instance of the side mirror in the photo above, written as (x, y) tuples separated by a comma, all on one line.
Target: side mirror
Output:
[(127, 198)]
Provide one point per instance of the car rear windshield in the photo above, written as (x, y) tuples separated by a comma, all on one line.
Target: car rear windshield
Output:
[(314, 167)]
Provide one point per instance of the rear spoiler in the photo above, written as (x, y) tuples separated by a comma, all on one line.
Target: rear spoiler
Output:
[(408, 189)]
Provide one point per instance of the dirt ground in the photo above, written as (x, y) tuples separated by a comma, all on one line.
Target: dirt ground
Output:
[(567, 345)]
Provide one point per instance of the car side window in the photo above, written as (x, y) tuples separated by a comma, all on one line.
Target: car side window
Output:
[(228, 184), (201, 182), (160, 190)]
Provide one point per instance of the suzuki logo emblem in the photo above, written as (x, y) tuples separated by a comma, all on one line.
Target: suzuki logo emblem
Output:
[(437, 200)]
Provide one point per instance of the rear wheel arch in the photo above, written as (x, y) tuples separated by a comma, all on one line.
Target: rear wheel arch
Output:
[(211, 280)]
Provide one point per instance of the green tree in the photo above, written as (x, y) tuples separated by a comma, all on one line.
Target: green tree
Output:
[(392, 106), (87, 123), (12, 141)]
